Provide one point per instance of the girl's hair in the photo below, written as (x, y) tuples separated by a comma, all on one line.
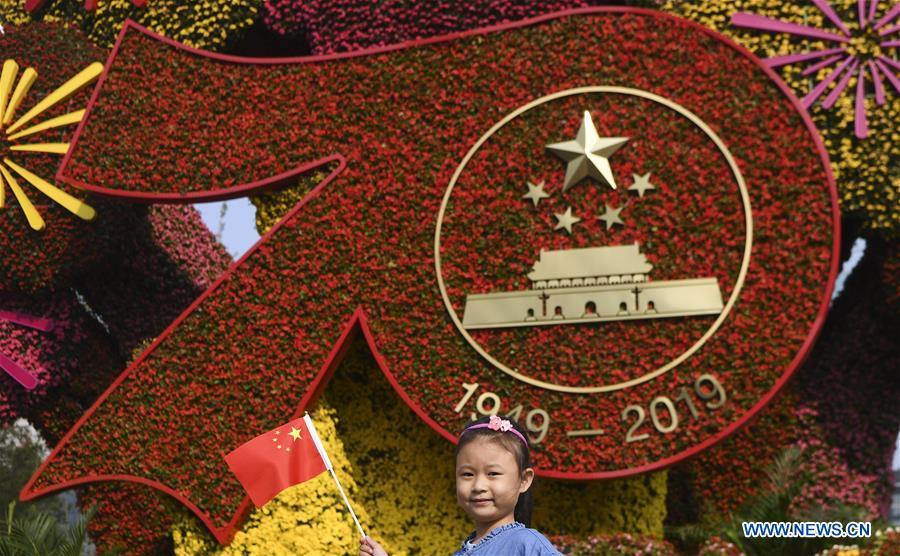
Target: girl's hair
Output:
[(519, 450)]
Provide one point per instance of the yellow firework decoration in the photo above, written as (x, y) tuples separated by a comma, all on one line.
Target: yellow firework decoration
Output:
[(10, 100)]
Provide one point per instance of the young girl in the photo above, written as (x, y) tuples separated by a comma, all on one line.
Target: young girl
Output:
[(493, 478)]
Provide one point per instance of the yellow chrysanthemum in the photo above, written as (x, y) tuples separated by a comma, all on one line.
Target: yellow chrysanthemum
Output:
[(866, 170)]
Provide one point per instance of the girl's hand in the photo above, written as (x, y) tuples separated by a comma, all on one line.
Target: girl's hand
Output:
[(368, 547)]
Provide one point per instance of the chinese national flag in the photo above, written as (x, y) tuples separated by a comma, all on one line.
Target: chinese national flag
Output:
[(282, 457)]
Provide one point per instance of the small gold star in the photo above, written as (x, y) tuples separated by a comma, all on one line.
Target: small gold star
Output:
[(566, 220), (611, 217), (295, 433), (641, 184), (279, 446), (535, 192)]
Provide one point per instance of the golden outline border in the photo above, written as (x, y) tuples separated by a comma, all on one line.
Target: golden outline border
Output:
[(745, 263)]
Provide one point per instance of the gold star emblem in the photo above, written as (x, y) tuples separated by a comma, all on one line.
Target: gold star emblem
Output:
[(566, 220), (587, 156), (641, 184), (535, 192), (295, 433), (611, 216)]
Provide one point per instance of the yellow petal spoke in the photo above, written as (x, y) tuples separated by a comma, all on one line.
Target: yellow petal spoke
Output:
[(55, 148), (12, 96), (59, 121), (22, 88), (75, 206), (84, 78), (7, 77), (31, 213)]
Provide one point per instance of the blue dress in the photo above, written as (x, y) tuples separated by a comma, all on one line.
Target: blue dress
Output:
[(512, 539)]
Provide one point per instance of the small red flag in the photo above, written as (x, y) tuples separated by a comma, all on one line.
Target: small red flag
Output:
[(282, 457)]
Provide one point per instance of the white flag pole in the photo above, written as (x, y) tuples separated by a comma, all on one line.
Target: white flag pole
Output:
[(321, 449)]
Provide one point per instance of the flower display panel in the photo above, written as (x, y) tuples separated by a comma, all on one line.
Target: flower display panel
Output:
[(360, 249)]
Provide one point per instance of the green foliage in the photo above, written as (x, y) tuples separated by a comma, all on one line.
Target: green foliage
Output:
[(773, 503), (38, 534), (20, 455), (21, 452), (36, 528)]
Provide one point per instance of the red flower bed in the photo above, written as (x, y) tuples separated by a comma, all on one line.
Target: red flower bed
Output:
[(840, 409), (851, 385), (618, 543), (345, 25), (72, 363), (131, 519), (169, 256), (241, 361)]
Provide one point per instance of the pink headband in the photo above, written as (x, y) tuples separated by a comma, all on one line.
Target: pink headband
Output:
[(497, 424)]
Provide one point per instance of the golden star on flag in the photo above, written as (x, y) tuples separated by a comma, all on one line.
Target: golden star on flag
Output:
[(587, 156), (295, 433)]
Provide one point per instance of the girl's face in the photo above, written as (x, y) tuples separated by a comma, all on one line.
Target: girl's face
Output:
[(488, 482)]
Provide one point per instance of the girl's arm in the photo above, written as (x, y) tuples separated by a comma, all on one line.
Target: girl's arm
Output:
[(368, 547)]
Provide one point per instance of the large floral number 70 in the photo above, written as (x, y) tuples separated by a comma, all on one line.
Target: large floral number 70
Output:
[(540, 429)]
